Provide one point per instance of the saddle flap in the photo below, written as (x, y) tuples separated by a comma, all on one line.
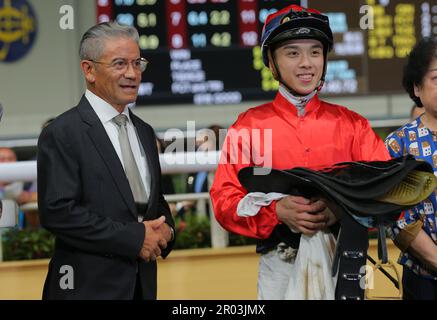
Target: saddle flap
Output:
[(371, 179), (361, 173)]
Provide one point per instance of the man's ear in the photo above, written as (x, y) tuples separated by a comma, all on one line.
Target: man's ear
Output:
[(88, 70)]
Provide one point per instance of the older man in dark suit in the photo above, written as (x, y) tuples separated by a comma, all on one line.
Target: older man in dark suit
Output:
[(99, 181)]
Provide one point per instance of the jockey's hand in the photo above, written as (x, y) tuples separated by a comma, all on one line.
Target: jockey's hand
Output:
[(304, 215)]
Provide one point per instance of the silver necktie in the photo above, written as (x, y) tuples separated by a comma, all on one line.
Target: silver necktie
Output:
[(130, 165)]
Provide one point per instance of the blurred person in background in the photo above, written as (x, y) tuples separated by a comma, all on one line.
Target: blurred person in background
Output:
[(14, 190), (207, 139), (7, 155), (11, 190), (32, 187)]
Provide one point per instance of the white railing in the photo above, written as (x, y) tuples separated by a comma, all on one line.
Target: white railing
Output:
[(171, 163), (18, 171), (179, 162)]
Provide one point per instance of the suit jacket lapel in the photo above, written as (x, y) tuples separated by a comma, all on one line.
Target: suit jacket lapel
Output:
[(106, 150)]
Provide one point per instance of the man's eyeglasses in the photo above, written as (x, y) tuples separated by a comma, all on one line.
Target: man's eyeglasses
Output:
[(121, 65)]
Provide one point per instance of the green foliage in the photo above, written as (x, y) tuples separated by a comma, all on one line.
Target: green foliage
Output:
[(193, 232), (27, 244)]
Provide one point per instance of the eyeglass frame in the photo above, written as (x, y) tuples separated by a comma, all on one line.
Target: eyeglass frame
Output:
[(142, 60)]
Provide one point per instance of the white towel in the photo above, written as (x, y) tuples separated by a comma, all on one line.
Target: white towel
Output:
[(311, 278), (311, 275)]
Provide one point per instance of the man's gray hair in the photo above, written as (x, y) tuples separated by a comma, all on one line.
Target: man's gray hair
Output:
[(93, 41)]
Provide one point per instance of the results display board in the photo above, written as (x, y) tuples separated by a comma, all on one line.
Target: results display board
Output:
[(369, 54), (207, 51)]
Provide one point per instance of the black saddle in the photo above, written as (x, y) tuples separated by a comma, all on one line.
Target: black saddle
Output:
[(377, 191), (358, 187)]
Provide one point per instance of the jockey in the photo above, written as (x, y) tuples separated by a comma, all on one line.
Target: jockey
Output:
[(296, 129)]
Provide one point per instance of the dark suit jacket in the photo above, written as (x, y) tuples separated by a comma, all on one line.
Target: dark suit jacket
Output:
[(85, 200)]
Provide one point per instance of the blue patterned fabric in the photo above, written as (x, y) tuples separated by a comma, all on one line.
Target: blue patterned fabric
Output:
[(415, 139)]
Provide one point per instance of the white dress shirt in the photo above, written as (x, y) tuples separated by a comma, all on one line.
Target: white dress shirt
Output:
[(106, 113)]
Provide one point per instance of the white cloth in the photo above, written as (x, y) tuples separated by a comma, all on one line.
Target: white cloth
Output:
[(311, 271), (106, 113), (250, 205), (308, 276)]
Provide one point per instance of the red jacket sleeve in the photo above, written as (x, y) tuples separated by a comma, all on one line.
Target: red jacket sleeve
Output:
[(226, 191), (368, 146)]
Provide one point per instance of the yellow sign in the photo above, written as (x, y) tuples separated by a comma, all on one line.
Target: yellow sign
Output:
[(393, 35)]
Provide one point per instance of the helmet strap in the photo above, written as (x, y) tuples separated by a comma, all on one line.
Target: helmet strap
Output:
[(325, 67), (274, 69), (321, 83)]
